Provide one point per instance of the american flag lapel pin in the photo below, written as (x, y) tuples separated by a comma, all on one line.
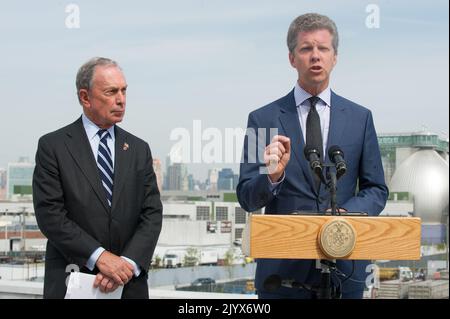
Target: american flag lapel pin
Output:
[(125, 146)]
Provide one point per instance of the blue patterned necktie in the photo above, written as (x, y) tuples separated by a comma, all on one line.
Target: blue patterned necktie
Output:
[(105, 165)]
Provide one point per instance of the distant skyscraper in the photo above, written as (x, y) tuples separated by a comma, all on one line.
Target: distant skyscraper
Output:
[(213, 176), (177, 177), (226, 179), (184, 178), (174, 177), (191, 182), (3, 174), (158, 172), (166, 175), (176, 173), (19, 178)]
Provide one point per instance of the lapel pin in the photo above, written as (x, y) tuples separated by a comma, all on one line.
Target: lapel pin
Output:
[(125, 146)]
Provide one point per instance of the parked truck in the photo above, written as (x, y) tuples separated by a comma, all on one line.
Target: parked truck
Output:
[(173, 258), (208, 257)]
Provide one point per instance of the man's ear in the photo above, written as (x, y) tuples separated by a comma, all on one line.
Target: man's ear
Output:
[(335, 60), (292, 59), (84, 97)]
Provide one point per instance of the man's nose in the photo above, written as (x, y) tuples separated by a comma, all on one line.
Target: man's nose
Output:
[(120, 98), (315, 56)]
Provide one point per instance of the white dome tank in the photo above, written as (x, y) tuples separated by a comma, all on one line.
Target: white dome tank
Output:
[(424, 174)]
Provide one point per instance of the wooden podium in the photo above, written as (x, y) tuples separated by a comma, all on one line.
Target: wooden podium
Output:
[(299, 237)]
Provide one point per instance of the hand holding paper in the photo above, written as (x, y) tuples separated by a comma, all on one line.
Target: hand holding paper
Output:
[(81, 286)]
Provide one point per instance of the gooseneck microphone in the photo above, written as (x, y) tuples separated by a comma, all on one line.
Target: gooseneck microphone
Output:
[(336, 155), (313, 156)]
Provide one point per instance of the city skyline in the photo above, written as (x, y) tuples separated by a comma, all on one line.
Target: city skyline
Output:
[(216, 62)]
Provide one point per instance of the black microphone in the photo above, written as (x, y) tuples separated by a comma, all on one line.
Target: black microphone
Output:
[(274, 282), (336, 155), (313, 157)]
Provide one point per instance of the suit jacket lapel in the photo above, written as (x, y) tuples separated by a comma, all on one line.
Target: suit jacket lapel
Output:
[(78, 145), (121, 163), (291, 125), (338, 122)]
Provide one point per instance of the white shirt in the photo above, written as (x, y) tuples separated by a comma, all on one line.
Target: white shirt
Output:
[(322, 106)]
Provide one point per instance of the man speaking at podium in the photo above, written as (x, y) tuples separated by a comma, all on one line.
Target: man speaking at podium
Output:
[(312, 114)]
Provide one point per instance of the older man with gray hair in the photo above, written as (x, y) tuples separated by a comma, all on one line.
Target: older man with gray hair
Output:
[(312, 117), (95, 192)]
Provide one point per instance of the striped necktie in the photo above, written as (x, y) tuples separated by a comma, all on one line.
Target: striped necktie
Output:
[(105, 164)]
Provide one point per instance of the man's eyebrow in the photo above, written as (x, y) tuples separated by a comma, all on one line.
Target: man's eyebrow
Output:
[(113, 87), (316, 42)]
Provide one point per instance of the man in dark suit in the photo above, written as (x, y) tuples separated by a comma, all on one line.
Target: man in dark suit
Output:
[(95, 193), (312, 114)]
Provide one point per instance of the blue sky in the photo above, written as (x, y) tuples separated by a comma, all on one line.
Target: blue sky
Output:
[(214, 61)]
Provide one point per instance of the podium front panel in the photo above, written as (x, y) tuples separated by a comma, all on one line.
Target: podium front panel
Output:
[(295, 237)]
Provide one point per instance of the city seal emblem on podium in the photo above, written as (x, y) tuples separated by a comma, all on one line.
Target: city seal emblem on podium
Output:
[(337, 238)]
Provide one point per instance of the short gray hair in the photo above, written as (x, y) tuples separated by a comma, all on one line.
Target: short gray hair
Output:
[(311, 22), (86, 72)]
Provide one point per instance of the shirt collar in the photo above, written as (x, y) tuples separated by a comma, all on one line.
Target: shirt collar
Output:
[(92, 129), (301, 95)]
